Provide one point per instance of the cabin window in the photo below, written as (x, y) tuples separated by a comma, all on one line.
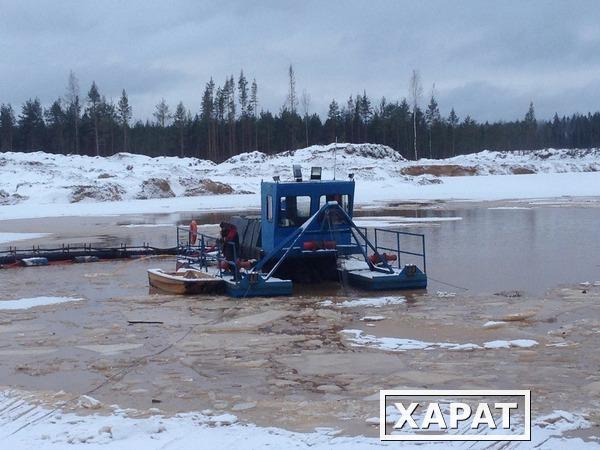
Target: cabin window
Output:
[(295, 210), (269, 208), (342, 199)]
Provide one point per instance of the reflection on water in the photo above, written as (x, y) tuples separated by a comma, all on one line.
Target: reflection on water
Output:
[(489, 250), (526, 249)]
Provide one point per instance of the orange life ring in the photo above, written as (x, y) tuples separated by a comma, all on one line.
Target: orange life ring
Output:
[(193, 232)]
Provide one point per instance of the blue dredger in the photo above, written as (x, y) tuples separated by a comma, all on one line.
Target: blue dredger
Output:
[(305, 233)]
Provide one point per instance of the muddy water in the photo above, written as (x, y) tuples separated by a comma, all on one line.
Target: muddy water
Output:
[(489, 250), (530, 247), (285, 362)]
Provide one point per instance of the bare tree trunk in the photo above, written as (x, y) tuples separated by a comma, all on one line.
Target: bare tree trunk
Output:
[(306, 127), (415, 134), (415, 92)]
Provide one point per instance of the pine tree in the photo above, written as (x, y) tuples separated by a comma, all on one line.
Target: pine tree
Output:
[(31, 125), (530, 127), (107, 124), (334, 118), (243, 94), (93, 102), (162, 113), (292, 99), (7, 127), (229, 89), (124, 112), (208, 117), (365, 113), (56, 121), (432, 118), (243, 100), (220, 109), (453, 122), (180, 119), (162, 116), (74, 107), (415, 92), (254, 105)]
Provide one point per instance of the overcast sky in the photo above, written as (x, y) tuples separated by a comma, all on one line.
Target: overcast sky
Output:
[(487, 59)]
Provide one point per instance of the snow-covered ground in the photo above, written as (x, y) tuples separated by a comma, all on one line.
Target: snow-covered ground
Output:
[(24, 426), (41, 184)]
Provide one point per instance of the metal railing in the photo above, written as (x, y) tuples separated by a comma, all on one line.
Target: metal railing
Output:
[(386, 236), (199, 253)]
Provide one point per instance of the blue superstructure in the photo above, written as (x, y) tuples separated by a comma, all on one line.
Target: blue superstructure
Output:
[(287, 205)]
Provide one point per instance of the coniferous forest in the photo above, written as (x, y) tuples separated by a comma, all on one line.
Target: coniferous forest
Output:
[(231, 120)]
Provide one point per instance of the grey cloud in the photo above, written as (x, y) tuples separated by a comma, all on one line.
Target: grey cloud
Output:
[(486, 58)]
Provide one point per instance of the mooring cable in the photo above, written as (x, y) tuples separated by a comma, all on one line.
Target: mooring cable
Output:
[(447, 284)]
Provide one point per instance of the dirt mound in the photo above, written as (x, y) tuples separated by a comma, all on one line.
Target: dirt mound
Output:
[(105, 192), (207, 186), (521, 170), (155, 188), (441, 170)]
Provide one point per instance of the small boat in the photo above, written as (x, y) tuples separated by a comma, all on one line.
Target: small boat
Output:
[(185, 282)]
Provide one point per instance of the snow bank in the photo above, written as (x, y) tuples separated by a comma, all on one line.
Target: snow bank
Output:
[(547, 432), (524, 162), (25, 426), (175, 184)]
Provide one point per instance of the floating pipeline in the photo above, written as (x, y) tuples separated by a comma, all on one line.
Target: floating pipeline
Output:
[(66, 254)]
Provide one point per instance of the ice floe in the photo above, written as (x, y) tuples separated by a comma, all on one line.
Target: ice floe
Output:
[(375, 302), (27, 303), (12, 237), (359, 338)]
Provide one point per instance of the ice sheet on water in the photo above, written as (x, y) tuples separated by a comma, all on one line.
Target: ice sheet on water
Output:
[(12, 237), (27, 303), (360, 339), (375, 302), (393, 221), (522, 343)]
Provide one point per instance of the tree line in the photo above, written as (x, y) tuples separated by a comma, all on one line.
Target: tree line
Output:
[(231, 121)]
